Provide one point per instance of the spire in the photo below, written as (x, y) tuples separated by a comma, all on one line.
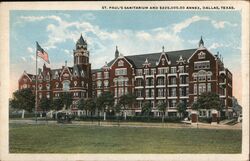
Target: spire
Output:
[(81, 42), (116, 52), (163, 49), (201, 43), (65, 63)]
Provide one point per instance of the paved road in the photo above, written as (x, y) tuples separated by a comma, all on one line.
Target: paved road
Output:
[(134, 124)]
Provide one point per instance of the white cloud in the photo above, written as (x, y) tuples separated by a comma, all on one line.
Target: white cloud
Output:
[(184, 24), (23, 58), (30, 50), (40, 18), (221, 24), (215, 46), (102, 42)]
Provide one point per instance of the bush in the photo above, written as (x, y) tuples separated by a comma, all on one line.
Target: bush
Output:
[(205, 119), (128, 118)]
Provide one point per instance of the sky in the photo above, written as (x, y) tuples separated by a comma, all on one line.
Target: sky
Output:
[(134, 32)]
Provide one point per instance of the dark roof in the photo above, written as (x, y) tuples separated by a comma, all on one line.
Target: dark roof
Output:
[(139, 60), (81, 41), (95, 70)]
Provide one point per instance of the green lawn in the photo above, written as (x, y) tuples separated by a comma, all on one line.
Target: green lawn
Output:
[(95, 139)]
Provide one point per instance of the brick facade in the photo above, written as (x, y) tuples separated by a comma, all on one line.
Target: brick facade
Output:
[(172, 77)]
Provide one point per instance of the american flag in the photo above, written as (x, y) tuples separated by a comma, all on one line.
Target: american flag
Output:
[(42, 53)]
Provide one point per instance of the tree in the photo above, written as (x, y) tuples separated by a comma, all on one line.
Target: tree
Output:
[(146, 109), (23, 99), (209, 101), (90, 105), (67, 99), (57, 104), (126, 100), (181, 108), (81, 105), (105, 102), (162, 107), (45, 104), (117, 110)]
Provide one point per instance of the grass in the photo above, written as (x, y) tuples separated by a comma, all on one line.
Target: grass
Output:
[(98, 139)]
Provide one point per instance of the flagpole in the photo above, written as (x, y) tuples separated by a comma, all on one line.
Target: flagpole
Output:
[(36, 88)]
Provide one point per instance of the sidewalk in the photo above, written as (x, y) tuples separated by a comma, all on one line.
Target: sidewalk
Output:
[(135, 124)]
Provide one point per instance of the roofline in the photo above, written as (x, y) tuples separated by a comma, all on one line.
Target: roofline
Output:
[(120, 58), (200, 49), (24, 73), (166, 52)]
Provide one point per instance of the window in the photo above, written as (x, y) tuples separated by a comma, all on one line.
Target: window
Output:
[(152, 71), (195, 88), (40, 95), (48, 95), (147, 93), (57, 84), (201, 65), (139, 72), (202, 78), (181, 69), (161, 92), (99, 93), (172, 103), (25, 86), (139, 93), (201, 55), (173, 70), (66, 85), (172, 80), (160, 81), (209, 87), (48, 86), (146, 71), (139, 82), (106, 83), (202, 88), (40, 86), (121, 71), (152, 92), (139, 103), (106, 75), (75, 83), (162, 61), (162, 70), (99, 75), (173, 92), (99, 84), (120, 63)]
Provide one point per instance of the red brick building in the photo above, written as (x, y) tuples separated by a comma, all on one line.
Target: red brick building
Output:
[(169, 76), (52, 82)]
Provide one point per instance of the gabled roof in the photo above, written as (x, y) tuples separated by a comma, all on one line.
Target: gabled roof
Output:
[(138, 60)]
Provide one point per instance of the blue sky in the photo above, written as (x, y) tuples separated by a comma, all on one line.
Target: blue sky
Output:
[(135, 32)]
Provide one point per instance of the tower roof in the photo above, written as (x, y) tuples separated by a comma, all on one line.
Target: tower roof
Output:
[(201, 43), (81, 41)]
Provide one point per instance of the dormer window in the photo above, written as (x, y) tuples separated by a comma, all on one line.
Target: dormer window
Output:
[(162, 61), (201, 55), (40, 86), (75, 83), (56, 75), (121, 63), (57, 84), (48, 86), (82, 73), (66, 85)]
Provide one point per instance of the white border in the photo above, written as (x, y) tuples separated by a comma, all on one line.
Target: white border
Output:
[(4, 84)]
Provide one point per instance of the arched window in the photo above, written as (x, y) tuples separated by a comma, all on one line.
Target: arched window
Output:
[(66, 85)]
